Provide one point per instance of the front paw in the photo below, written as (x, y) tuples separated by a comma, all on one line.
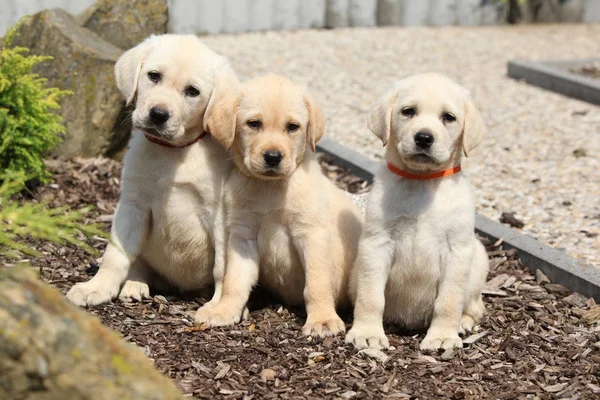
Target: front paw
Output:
[(367, 336), (322, 326), (218, 314), (92, 293), (440, 339), (135, 290)]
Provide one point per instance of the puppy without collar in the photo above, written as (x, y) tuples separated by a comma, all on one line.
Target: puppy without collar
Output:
[(419, 263), (289, 227), (169, 221)]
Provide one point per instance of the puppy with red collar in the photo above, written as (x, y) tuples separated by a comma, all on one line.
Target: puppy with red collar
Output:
[(169, 223), (419, 263)]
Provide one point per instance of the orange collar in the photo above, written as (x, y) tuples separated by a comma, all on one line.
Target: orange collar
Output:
[(159, 142), (439, 174)]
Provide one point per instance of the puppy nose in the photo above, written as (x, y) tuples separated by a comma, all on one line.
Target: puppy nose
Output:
[(424, 139), (272, 157), (158, 115)]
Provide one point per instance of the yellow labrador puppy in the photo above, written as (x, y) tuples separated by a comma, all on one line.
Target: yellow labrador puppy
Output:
[(419, 262), (289, 227), (169, 221)]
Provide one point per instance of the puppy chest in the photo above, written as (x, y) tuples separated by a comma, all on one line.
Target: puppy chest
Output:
[(182, 221), (280, 267)]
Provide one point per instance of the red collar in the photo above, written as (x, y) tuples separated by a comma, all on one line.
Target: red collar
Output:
[(160, 142), (439, 174)]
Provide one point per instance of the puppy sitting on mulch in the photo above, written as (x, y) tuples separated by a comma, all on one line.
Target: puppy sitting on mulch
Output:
[(419, 263), (168, 226), (289, 227)]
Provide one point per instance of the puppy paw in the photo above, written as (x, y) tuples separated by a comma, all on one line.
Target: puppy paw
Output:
[(329, 325), (363, 337), (135, 290), (218, 315), (466, 325), (91, 293), (441, 340)]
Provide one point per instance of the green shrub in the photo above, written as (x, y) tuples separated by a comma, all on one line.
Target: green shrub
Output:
[(29, 126), (37, 220)]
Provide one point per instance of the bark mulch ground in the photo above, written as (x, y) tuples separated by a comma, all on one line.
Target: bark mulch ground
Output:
[(536, 341)]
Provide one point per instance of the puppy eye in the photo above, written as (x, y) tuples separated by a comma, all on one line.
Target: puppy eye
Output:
[(409, 112), (447, 117), (192, 91), (293, 127), (254, 124), (154, 76)]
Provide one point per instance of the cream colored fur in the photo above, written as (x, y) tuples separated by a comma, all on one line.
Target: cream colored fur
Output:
[(419, 263), (289, 227), (169, 222)]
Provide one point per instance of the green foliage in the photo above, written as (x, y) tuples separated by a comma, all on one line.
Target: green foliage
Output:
[(29, 126), (37, 220)]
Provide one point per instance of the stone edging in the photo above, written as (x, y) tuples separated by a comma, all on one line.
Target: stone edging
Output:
[(557, 265), (555, 76)]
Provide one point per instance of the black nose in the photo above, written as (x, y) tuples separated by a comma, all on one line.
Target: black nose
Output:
[(424, 139), (272, 158), (158, 115)]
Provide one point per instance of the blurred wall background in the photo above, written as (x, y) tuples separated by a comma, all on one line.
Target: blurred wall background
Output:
[(233, 16)]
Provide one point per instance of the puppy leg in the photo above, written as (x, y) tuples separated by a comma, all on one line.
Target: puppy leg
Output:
[(372, 270), (220, 235), (449, 304), (139, 280), (322, 319), (127, 236), (474, 307), (241, 275)]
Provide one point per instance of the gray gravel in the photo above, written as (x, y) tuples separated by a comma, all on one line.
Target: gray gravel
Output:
[(540, 156)]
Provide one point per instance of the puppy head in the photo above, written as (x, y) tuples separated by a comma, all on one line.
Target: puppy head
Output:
[(427, 119), (268, 125), (173, 78)]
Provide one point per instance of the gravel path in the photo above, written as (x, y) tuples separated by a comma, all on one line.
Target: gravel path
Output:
[(540, 156)]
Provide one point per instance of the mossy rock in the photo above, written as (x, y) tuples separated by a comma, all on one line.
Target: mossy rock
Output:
[(49, 349), (125, 23), (83, 63)]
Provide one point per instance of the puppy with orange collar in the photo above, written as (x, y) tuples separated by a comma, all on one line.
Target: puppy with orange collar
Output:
[(419, 263), (289, 227)]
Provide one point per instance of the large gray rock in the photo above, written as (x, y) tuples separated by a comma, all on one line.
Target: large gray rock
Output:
[(125, 23), (83, 63)]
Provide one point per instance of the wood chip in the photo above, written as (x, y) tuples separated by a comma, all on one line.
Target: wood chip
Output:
[(554, 388), (268, 374), (222, 372), (540, 277), (476, 337)]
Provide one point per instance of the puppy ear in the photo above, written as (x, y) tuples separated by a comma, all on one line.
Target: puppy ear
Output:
[(316, 122), (129, 66), (380, 116), (473, 128), (221, 112)]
